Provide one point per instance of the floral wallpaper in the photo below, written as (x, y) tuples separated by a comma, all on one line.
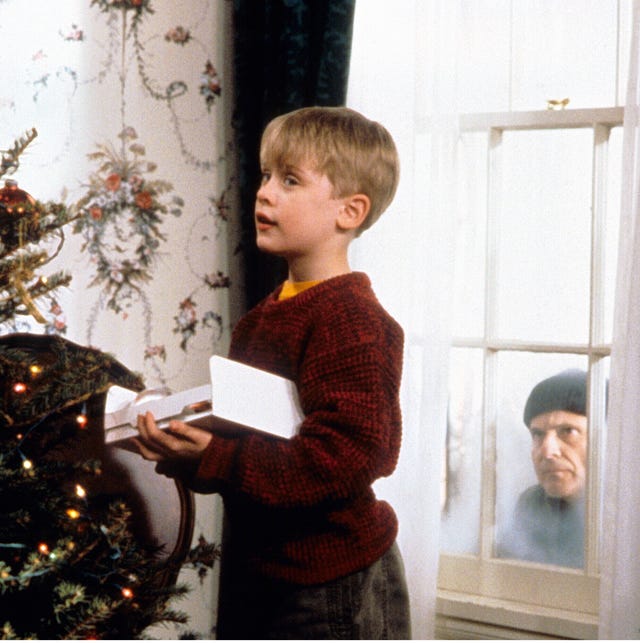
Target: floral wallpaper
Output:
[(132, 103)]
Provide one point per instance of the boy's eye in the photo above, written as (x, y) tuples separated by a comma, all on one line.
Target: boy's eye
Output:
[(264, 177), (290, 180)]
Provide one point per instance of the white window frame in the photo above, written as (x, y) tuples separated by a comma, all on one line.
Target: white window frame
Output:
[(507, 593)]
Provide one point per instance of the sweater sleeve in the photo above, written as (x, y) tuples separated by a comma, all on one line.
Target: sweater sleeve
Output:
[(350, 435)]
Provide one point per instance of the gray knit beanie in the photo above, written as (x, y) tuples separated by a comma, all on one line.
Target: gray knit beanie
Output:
[(566, 391)]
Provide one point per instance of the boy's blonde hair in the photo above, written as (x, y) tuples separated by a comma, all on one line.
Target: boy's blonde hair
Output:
[(356, 154)]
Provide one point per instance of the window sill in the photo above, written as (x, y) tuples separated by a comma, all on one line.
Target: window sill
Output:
[(460, 614)]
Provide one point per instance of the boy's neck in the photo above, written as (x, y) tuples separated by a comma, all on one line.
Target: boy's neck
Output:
[(303, 271)]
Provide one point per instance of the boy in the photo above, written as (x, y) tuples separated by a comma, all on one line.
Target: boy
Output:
[(310, 551)]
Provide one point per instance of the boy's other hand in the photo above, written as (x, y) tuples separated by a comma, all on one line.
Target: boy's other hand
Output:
[(181, 441)]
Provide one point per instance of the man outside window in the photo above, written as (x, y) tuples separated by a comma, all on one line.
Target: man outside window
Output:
[(548, 523)]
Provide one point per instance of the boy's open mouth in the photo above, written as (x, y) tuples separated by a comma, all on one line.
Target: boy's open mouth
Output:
[(263, 221)]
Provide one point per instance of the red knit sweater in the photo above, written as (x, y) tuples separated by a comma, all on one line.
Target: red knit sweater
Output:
[(303, 510)]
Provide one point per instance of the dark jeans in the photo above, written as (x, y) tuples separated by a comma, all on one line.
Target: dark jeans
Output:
[(370, 604)]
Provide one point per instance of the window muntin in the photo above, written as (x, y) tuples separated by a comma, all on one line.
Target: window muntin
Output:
[(610, 230)]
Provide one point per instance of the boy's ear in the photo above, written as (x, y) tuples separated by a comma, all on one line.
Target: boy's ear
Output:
[(353, 211)]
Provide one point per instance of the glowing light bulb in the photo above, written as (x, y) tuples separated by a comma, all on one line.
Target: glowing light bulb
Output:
[(127, 592), (35, 369), (43, 548), (74, 514), (27, 464), (19, 387), (82, 420), (80, 491)]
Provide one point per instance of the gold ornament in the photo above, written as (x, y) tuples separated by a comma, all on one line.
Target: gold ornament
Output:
[(557, 104)]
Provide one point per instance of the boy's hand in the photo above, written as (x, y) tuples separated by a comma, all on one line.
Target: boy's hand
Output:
[(181, 442)]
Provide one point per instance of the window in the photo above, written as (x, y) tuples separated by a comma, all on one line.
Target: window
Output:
[(537, 232)]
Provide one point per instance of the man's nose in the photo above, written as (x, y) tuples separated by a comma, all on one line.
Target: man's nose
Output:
[(550, 445)]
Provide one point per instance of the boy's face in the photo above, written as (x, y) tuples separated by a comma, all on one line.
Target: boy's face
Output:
[(295, 213)]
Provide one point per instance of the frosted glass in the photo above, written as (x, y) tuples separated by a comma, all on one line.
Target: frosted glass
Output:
[(469, 264), (460, 526), (518, 374), (544, 224)]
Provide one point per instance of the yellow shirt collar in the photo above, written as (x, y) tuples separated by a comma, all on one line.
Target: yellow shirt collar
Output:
[(293, 288)]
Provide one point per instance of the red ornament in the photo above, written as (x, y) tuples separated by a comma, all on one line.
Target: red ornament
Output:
[(14, 199)]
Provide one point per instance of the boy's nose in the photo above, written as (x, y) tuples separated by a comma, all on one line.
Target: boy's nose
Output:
[(265, 192)]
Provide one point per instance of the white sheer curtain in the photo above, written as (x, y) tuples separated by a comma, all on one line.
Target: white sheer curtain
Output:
[(403, 71), (620, 577)]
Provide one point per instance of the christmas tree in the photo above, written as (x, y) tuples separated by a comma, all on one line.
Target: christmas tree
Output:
[(24, 225), (72, 564)]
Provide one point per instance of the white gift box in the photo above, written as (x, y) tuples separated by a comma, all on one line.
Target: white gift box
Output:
[(239, 394)]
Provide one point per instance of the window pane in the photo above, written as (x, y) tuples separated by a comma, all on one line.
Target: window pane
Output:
[(544, 228), (538, 519), (564, 49), (598, 431), (469, 277), (463, 468), (612, 225)]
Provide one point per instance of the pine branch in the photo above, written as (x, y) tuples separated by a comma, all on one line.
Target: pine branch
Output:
[(24, 228), (9, 158)]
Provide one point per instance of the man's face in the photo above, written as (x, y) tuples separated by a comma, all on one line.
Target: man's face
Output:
[(559, 452)]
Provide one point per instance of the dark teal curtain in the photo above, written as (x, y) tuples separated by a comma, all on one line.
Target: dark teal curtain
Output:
[(288, 54)]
